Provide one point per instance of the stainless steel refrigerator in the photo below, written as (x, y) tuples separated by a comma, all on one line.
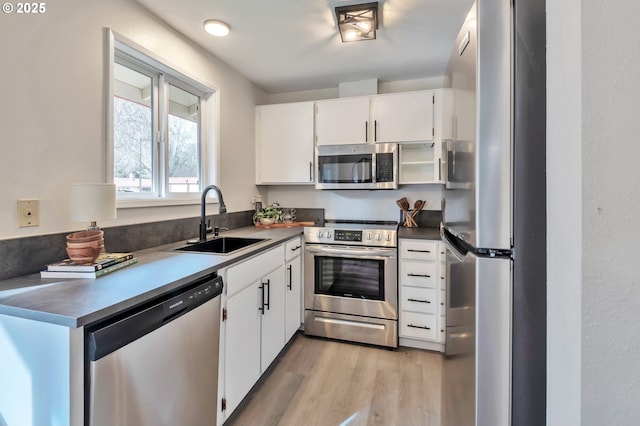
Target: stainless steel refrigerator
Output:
[(494, 219)]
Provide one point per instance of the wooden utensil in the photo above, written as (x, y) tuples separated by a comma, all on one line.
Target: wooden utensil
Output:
[(417, 206), (403, 203)]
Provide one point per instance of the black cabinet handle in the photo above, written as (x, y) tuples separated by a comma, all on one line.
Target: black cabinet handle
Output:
[(419, 326), (375, 130), (366, 131), (419, 251), (261, 308), (310, 171), (439, 168), (290, 268), (418, 300), (296, 248), (419, 275), (268, 284)]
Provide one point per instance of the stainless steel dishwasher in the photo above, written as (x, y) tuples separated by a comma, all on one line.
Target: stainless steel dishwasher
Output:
[(158, 365)]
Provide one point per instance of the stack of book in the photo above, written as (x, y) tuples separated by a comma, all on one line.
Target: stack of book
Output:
[(104, 264)]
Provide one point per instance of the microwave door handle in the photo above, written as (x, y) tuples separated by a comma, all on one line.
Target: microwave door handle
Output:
[(374, 168), (453, 164)]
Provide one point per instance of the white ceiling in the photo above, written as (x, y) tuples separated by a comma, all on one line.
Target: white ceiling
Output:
[(291, 45)]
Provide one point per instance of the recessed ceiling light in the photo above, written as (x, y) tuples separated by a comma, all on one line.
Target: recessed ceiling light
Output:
[(216, 28)]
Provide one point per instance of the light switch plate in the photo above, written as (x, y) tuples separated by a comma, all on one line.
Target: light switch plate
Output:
[(28, 213)]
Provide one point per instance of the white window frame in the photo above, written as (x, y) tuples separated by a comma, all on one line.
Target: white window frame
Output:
[(209, 125)]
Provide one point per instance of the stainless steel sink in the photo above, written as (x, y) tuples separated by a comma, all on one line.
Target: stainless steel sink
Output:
[(222, 245)]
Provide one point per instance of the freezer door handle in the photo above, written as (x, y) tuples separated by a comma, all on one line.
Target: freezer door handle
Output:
[(450, 246)]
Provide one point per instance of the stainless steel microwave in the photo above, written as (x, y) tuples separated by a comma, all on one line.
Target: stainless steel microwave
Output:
[(361, 166)]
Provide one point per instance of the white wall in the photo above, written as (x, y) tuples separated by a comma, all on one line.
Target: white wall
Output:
[(593, 200), (356, 204), (383, 87), (610, 206), (52, 109)]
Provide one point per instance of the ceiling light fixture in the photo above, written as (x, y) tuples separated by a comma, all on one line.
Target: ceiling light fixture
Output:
[(216, 28), (358, 21)]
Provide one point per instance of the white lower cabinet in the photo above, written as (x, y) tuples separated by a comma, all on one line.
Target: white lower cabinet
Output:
[(261, 314), (242, 349), (293, 287), (422, 292), (272, 317)]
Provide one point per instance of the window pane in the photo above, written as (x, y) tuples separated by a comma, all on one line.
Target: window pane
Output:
[(183, 149), (132, 130)]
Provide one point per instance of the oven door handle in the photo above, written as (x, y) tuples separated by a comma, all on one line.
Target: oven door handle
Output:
[(352, 251)]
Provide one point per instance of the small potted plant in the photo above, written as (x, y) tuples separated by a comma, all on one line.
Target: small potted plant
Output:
[(268, 215)]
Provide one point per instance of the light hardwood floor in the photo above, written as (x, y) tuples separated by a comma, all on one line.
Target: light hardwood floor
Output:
[(323, 382)]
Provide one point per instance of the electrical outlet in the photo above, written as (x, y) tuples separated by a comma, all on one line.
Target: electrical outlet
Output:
[(28, 213)]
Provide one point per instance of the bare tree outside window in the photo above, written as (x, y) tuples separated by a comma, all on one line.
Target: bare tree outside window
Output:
[(132, 139)]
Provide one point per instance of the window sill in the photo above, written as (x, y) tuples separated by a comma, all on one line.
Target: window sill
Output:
[(161, 202)]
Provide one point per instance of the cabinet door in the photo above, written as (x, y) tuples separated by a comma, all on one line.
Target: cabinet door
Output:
[(284, 143), (273, 316), (293, 298), (242, 347), (403, 117), (342, 121), (444, 114)]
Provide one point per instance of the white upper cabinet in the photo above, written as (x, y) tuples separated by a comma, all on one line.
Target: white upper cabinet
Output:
[(425, 161), (444, 115), (342, 121), (284, 143), (403, 117)]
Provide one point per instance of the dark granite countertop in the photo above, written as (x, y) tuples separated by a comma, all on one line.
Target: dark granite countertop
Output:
[(422, 233), (78, 302)]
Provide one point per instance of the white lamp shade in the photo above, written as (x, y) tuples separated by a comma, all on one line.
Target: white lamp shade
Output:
[(91, 202)]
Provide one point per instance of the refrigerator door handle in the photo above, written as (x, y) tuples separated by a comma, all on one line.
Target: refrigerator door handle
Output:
[(450, 246)]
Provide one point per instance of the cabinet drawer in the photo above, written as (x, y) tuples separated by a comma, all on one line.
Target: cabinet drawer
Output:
[(416, 273), (417, 299), (420, 326), (246, 273), (292, 248), (419, 249)]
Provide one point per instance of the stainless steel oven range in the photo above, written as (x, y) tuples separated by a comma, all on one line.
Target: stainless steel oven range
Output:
[(351, 282)]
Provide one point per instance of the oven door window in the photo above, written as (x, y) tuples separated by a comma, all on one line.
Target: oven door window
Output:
[(350, 168), (349, 277)]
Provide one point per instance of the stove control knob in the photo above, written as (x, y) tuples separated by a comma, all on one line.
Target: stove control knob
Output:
[(320, 234), (328, 234), (388, 237), (378, 237), (369, 236)]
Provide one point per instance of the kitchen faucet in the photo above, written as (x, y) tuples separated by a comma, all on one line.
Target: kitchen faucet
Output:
[(221, 209)]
